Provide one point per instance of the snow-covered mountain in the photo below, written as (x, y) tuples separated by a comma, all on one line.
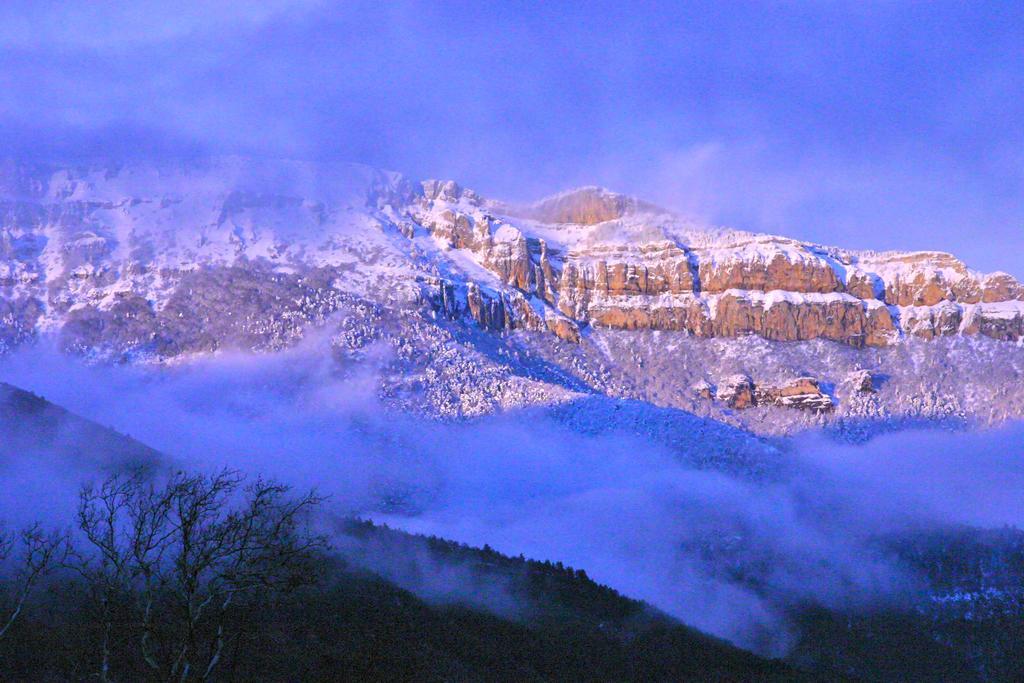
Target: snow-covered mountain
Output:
[(466, 305)]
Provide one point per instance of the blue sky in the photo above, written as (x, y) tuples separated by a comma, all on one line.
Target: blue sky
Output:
[(866, 124)]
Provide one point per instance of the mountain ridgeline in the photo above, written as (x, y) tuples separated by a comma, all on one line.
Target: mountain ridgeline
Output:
[(587, 257), (508, 306)]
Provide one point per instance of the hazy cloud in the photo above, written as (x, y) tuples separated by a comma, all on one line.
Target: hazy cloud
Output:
[(727, 554), (884, 125)]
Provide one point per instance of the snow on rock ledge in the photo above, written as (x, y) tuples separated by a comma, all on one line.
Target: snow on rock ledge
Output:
[(111, 251), (739, 392)]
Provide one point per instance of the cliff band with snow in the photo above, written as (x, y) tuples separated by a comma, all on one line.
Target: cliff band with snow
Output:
[(157, 261)]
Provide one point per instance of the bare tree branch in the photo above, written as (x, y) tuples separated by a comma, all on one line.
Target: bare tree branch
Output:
[(187, 550), (41, 553)]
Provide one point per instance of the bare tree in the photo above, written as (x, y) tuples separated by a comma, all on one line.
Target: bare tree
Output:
[(185, 552), (40, 553), (124, 522)]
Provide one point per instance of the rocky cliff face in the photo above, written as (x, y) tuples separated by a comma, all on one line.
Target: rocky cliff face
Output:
[(79, 245), (463, 305), (602, 260), (586, 292)]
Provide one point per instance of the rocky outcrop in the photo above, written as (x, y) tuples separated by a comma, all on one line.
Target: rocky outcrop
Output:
[(704, 390), (1001, 287), (931, 278), (928, 322), (488, 312), (998, 321), (497, 311), (506, 254), (563, 328), (866, 286), (736, 391), (803, 393), (689, 314), (622, 270), (739, 392), (765, 266), (584, 206), (448, 191), (461, 231), (925, 279), (792, 318), (501, 248), (862, 382), (547, 275)]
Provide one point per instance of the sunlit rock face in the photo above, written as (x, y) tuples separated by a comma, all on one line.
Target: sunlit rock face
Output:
[(802, 393), (464, 305), (623, 270), (607, 261), (766, 266), (584, 206), (145, 257), (740, 391)]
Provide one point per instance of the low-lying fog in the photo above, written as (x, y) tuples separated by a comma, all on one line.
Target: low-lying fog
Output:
[(724, 553)]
